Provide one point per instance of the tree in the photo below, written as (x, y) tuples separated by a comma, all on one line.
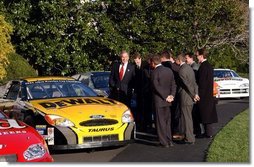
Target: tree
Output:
[(52, 35), (152, 25), (5, 45), (64, 37)]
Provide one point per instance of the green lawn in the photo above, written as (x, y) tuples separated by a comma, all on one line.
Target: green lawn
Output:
[(231, 144)]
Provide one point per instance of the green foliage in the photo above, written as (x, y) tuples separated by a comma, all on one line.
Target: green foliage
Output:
[(231, 144), (17, 68), (52, 34), (5, 45), (180, 25), (64, 37)]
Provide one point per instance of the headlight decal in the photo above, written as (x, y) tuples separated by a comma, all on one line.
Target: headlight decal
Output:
[(56, 120), (127, 117), (34, 151)]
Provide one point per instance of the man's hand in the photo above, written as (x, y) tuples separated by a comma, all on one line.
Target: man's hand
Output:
[(170, 98), (196, 98)]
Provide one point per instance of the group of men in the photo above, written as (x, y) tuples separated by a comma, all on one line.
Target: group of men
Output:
[(176, 93)]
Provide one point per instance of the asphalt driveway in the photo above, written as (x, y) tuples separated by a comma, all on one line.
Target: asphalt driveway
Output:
[(145, 152)]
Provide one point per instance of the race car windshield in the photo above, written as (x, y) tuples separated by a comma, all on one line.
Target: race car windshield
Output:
[(56, 89), (224, 74)]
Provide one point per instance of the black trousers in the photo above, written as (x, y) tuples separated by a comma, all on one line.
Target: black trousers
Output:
[(143, 114), (163, 124), (209, 129), (196, 120)]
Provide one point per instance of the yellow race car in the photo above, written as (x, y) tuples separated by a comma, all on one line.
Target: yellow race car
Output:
[(68, 114)]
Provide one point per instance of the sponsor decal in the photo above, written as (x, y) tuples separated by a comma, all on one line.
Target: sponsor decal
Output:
[(52, 81), (13, 132), (46, 133), (41, 129), (10, 123), (100, 129), (77, 101), (51, 136)]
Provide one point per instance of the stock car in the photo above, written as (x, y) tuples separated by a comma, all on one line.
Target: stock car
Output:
[(68, 114), (21, 143), (231, 85)]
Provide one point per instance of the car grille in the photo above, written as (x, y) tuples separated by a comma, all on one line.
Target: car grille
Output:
[(233, 91), (113, 137), (98, 122)]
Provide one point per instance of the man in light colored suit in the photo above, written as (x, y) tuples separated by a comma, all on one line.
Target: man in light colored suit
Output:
[(190, 60), (188, 95), (198, 127)]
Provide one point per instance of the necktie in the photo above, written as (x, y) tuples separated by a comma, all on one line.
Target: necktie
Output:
[(121, 72)]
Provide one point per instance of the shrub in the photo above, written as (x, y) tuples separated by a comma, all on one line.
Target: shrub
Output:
[(5, 45), (17, 68)]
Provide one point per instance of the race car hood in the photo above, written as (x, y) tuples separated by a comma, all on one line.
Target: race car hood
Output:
[(77, 109), (231, 81), (13, 133)]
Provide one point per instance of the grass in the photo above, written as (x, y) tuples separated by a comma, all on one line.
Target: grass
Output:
[(231, 144)]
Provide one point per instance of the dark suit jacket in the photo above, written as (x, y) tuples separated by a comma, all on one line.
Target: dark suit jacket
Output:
[(188, 87), (142, 79), (206, 105), (127, 83), (163, 84), (174, 67)]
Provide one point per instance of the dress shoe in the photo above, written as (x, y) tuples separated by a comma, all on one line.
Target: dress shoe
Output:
[(171, 144)]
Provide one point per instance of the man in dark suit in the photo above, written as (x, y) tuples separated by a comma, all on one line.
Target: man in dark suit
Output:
[(206, 105), (188, 94), (121, 80), (164, 89), (143, 113), (167, 60)]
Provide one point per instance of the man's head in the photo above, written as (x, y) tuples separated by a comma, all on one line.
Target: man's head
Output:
[(137, 58), (155, 60), (180, 59), (201, 55), (166, 56), (124, 55), (189, 58)]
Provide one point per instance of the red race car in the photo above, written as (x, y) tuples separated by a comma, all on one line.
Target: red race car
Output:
[(21, 143)]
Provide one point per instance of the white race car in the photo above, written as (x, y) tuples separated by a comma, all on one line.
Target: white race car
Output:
[(231, 85)]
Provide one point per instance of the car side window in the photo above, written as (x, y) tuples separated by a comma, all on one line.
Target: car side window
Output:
[(78, 90), (13, 92)]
